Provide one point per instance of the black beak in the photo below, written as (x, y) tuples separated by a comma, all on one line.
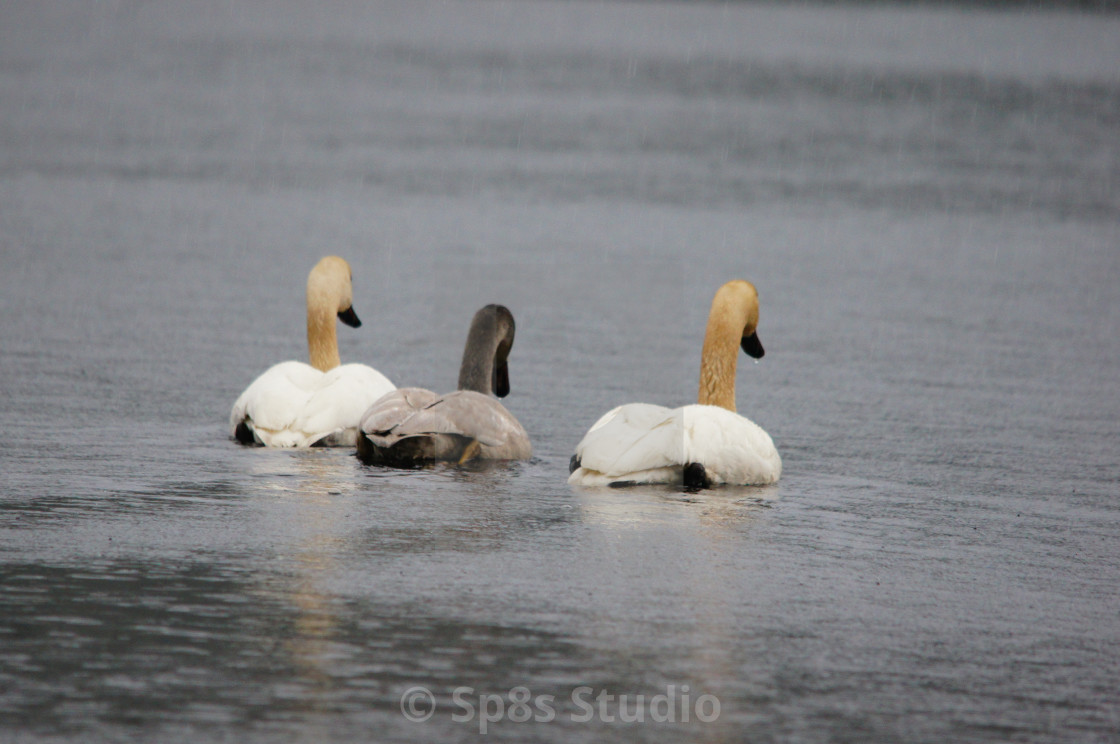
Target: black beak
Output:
[(501, 379), (349, 317), (752, 346)]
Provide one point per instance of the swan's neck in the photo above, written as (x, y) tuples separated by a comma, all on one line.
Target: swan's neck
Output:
[(477, 370), (322, 338), (718, 361)]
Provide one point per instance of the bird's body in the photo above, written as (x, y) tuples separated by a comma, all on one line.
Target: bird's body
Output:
[(692, 445), (292, 404), (413, 425)]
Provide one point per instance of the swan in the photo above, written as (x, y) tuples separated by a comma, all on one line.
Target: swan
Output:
[(698, 445), (293, 404), (411, 426)]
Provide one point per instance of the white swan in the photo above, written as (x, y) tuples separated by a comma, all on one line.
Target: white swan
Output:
[(698, 445), (411, 426), (293, 404)]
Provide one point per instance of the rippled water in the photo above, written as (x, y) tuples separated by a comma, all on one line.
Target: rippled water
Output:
[(927, 199)]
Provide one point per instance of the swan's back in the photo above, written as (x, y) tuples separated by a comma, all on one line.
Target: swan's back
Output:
[(415, 425), (644, 443), (292, 404)]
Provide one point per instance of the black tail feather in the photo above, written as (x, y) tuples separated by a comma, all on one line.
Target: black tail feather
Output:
[(244, 433), (695, 476)]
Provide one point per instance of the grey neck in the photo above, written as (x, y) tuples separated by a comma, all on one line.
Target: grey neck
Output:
[(488, 344)]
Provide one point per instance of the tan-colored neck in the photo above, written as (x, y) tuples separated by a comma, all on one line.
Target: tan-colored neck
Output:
[(328, 294), (718, 362), (322, 338), (734, 314)]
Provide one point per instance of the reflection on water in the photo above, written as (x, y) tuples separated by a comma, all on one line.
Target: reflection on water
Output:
[(152, 647), (697, 591), (640, 507), (312, 643)]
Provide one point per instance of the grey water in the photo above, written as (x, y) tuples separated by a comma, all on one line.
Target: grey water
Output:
[(928, 199)]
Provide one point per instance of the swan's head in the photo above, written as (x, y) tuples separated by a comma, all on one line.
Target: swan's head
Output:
[(503, 319), (329, 290), (738, 300), (485, 365)]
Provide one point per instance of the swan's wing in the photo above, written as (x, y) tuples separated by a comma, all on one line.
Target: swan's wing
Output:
[(732, 448), (484, 420), (631, 439), (273, 402), (393, 408), (336, 405), (463, 414)]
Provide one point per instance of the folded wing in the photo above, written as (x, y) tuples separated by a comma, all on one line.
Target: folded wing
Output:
[(630, 441), (419, 425)]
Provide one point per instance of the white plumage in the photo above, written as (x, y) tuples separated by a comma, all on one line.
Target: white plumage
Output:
[(646, 443), (292, 404)]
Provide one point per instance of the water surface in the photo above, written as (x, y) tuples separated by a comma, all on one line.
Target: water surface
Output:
[(927, 199)]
